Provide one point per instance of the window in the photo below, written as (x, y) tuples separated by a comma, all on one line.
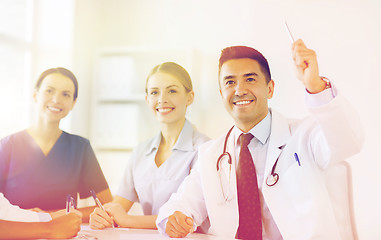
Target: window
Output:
[(15, 64), (34, 36)]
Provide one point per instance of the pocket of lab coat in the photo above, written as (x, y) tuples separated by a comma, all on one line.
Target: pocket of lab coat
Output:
[(298, 182)]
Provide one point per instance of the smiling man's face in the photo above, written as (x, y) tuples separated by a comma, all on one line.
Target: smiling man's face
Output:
[(245, 92)]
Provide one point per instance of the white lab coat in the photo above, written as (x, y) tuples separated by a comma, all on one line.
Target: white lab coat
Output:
[(305, 203), (11, 212)]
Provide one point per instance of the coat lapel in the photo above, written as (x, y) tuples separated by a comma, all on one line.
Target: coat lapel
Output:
[(233, 181), (279, 136)]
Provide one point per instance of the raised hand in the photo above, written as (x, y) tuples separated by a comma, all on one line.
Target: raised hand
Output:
[(306, 67)]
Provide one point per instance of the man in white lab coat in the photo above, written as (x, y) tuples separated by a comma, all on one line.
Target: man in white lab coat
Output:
[(294, 159)]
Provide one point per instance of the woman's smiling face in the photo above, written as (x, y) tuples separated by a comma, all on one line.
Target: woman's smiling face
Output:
[(55, 97), (167, 97)]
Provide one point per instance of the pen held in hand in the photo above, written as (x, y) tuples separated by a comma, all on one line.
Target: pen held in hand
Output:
[(289, 32), (99, 204), (292, 38), (69, 203)]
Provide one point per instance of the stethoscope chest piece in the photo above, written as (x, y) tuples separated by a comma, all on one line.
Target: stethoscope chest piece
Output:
[(272, 179)]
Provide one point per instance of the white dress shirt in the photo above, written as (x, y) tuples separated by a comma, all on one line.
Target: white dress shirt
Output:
[(258, 148)]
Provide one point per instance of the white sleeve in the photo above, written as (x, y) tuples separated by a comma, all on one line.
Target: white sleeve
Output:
[(127, 185), (189, 199), (339, 134), (320, 99), (44, 217), (11, 212)]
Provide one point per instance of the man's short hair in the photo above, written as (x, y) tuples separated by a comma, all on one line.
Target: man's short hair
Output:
[(237, 52)]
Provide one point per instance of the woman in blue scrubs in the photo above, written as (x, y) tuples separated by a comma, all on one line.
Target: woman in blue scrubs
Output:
[(159, 165), (41, 165)]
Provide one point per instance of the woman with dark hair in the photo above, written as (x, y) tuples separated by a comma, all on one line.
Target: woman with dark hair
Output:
[(41, 165), (159, 165)]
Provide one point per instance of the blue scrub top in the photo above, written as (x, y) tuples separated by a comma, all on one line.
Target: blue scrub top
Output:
[(152, 186), (30, 179)]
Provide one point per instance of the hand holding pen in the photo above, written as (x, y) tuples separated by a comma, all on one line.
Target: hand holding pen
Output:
[(70, 208), (306, 65), (70, 204), (99, 218)]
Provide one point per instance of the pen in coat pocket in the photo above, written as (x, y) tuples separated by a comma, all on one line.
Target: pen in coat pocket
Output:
[(297, 158)]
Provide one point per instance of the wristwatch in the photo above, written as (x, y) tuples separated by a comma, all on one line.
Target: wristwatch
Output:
[(327, 82)]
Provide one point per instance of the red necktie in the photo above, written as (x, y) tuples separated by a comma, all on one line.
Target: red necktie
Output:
[(250, 219)]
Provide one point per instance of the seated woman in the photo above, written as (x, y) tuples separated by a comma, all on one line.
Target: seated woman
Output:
[(17, 223), (41, 165), (159, 165)]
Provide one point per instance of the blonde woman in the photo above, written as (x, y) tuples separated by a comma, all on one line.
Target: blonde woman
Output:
[(159, 165)]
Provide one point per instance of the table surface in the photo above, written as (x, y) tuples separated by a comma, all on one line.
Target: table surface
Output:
[(133, 234)]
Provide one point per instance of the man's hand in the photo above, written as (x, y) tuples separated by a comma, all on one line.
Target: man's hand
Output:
[(179, 225), (306, 67)]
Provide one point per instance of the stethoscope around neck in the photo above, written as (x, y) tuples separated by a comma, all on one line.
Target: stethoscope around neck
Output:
[(271, 179)]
